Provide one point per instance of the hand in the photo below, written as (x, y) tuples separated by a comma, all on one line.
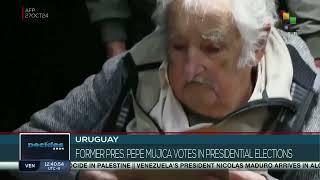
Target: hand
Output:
[(172, 175), (317, 61), (245, 175), (114, 48), (97, 175), (153, 175)]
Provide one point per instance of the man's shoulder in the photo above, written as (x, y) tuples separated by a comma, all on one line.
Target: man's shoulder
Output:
[(313, 122), (300, 46), (307, 75), (119, 65)]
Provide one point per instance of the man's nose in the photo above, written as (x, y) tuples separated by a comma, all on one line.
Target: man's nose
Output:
[(195, 63)]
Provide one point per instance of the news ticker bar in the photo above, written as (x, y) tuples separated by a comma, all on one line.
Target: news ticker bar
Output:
[(176, 139), (193, 165), (113, 148), (176, 165), (128, 148), (305, 147)]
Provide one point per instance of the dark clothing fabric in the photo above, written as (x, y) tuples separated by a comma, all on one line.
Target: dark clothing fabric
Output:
[(140, 23), (123, 20)]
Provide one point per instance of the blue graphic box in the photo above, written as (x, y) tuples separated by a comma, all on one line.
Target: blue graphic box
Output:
[(44, 146)]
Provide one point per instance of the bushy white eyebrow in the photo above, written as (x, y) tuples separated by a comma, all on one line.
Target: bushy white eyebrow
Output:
[(214, 35)]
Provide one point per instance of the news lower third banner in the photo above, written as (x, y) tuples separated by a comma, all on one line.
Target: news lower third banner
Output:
[(62, 152)]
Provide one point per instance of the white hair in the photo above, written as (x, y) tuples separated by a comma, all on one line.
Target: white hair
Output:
[(250, 17)]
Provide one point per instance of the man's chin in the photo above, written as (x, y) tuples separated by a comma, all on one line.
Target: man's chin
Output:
[(201, 94), (212, 113), (200, 87)]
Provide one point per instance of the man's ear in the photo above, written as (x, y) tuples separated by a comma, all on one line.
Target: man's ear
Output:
[(262, 43)]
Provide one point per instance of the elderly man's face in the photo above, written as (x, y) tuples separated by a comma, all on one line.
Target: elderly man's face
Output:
[(204, 50)]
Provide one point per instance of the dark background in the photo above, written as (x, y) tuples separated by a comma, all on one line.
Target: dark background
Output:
[(42, 60)]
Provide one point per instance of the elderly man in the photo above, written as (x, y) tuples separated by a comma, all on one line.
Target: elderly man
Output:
[(223, 66)]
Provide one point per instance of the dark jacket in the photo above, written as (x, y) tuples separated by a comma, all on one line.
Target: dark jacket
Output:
[(122, 20)]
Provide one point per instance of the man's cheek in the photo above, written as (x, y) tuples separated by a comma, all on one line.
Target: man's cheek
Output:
[(177, 77)]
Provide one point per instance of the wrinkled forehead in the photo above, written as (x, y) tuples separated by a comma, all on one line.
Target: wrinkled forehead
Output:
[(204, 16)]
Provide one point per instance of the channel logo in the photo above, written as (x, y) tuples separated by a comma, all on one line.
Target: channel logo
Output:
[(54, 146), (37, 146), (288, 20)]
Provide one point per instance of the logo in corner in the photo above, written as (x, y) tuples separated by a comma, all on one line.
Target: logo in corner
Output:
[(52, 145), (35, 146)]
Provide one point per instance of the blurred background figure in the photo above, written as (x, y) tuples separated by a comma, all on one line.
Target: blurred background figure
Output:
[(307, 13), (122, 22)]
